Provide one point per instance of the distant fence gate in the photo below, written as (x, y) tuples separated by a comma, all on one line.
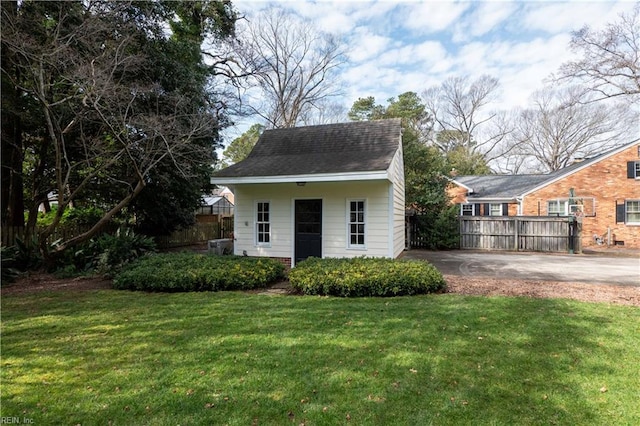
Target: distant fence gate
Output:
[(519, 233)]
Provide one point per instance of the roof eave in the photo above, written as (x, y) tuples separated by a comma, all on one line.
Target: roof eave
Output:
[(471, 200), (320, 177), (468, 188)]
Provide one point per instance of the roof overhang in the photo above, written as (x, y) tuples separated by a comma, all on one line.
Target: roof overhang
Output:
[(468, 188), (471, 200), (321, 177)]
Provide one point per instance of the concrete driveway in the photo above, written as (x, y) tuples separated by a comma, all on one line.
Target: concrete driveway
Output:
[(596, 269)]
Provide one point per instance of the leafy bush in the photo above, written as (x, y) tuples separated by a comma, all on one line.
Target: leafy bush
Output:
[(107, 254), (115, 251), (26, 255), (179, 272), (72, 215), (9, 271), (440, 230), (361, 276)]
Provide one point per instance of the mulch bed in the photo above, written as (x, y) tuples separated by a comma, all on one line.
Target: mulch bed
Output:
[(623, 295)]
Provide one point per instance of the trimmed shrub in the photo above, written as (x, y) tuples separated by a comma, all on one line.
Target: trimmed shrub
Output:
[(180, 272), (358, 277)]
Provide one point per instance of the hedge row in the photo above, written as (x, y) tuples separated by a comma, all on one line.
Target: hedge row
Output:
[(179, 272), (360, 276)]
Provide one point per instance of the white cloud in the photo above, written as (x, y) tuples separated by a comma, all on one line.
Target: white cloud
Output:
[(483, 19), (429, 17), (570, 16), (427, 53), (399, 46), (363, 44)]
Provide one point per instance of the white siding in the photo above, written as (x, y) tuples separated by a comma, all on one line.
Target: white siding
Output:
[(397, 226), (334, 197), (245, 221)]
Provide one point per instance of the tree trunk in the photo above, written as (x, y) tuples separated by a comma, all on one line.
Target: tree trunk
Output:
[(12, 195)]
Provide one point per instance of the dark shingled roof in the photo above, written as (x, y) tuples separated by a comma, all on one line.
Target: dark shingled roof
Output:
[(362, 146), (500, 186)]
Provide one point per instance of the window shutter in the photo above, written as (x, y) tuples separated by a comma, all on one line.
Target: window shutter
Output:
[(505, 209), (486, 209), (620, 213), (476, 209), (631, 169)]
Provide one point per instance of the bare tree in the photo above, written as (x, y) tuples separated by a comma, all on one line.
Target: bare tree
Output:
[(560, 127), (609, 64), (100, 125), (293, 64), (458, 108), (326, 111)]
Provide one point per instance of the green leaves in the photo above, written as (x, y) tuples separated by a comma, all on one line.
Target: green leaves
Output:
[(179, 272), (361, 277)]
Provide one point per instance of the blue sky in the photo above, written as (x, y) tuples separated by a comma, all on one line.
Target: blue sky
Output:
[(399, 46)]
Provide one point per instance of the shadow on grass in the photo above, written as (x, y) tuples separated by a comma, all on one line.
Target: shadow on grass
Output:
[(237, 359)]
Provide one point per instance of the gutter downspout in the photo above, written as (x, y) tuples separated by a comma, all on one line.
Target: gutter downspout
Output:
[(519, 200)]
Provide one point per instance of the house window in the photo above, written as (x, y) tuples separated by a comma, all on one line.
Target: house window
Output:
[(633, 169), (558, 208), (632, 212), (495, 209), (468, 209), (357, 225), (263, 223)]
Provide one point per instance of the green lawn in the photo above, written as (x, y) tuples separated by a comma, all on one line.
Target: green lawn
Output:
[(122, 358)]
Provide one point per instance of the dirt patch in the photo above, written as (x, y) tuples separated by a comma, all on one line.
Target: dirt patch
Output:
[(622, 295), (38, 282)]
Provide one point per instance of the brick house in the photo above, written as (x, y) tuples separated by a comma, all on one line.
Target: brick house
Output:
[(603, 190)]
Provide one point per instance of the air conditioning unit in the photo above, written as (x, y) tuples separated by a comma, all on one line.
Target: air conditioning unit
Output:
[(220, 246)]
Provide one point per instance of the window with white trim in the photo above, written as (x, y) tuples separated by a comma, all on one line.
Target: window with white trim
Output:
[(632, 212), (495, 209), (468, 209), (558, 208), (357, 224), (263, 223)]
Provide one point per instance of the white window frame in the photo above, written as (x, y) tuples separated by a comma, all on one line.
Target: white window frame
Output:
[(466, 206), (562, 207), (357, 223), (637, 169), (261, 222), (627, 211), (492, 206)]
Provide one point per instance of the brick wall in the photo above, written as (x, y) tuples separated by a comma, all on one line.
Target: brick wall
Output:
[(286, 261), (607, 182)]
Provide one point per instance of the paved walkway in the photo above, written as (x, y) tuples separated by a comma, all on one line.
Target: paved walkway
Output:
[(587, 268)]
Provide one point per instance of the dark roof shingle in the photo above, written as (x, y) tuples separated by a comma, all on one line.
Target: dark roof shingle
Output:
[(331, 148), (500, 186)]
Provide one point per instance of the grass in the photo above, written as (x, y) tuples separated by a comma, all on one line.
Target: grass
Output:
[(120, 358)]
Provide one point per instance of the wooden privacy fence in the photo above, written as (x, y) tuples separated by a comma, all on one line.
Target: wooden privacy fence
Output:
[(198, 233), (414, 236), (11, 233), (519, 233)]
